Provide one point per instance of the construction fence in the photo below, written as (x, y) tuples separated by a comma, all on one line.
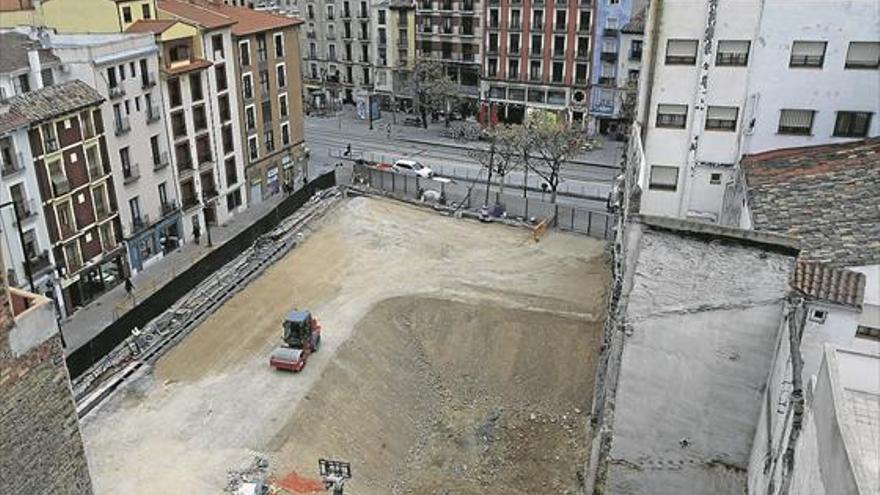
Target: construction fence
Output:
[(154, 305), (471, 196)]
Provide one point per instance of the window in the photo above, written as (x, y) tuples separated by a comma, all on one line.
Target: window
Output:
[(584, 20), (282, 105), (266, 110), (250, 117), (663, 178), (244, 50), (580, 73), (231, 171), (492, 67), (233, 200), (721, 118), (681, 52), (174, 93), (217, 46), (672, 116), (200, 118), (126, 14), (310, 11), (178, 124), (381, 17), (253, 150), (796, 122), (852, 124), (558, 70), (559, 46), (583, 47), (264, 82), (535, 70), (226, 140), (715, 178), (513, 69), (178, 53), (220, 76), (145, 10), (536, 44), (278, 40), (807, 54), (513, 47), (223, 106), (635, 50), (538, 20), (733, 53), (134, 204), (247, 86), (47, 77), (863, 55), (330, 11), (285, 134), (560, 20), (281, 76), (818, 315), (261, 48), (195, 87), (515, 19)]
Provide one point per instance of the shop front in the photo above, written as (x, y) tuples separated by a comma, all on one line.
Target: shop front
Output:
[(96, 279), (152, 244)]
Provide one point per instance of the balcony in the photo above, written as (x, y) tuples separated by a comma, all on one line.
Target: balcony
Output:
[(60, 185), (51, 145), (148, 80), (169, 207), (311, 35), (26, 208), (205, 161), (139, 223), (116, 92), (131, 174), (190, 202), (635, 55), (209, 192), (14, 166), (160, 161), (610, 31), (583, 54), (515, 26), (123, 126), (607, 81), (363, 14), (66, 230), (608, 56), (39, 262), (102, 212), (153, 113), (185, 167)]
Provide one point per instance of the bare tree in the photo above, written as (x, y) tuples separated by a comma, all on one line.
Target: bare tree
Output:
[(502, 156), (547, 145), (432, 89)]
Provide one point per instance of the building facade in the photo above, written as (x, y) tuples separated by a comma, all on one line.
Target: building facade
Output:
[(124, 69), (537, 56), (724, 79), (394, 29), (449, 32)]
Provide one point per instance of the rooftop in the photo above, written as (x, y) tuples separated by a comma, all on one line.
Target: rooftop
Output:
[(212, 15), (14, 49), (93, 39), (825, 196), (824, 282), (51, 101), (202, 15), (155, 26)]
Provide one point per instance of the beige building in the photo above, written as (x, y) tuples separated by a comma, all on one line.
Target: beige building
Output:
[(394, 25)]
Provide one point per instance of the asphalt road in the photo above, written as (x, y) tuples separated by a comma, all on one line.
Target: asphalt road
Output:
[(327, 137)]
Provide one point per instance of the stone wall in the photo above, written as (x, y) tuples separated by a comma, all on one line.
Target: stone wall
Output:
[(41, 450)]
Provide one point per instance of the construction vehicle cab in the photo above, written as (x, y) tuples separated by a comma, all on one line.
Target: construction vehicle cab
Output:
[(301, 334)]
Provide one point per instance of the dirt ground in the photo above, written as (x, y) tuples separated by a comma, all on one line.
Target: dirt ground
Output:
[(456, 358)]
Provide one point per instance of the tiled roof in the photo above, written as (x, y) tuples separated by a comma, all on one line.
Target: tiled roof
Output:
[(201, 14), (53, 101), (824, 282), (636, 24), (14, 49), (11, 120), (155, 26), (195, 64), (826, 196)]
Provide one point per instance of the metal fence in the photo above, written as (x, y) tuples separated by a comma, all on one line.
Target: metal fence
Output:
[(139, 316), (471, 196)]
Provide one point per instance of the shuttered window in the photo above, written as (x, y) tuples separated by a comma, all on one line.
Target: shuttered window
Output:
[(733, 53), (721, 118), (863, 55), (796, 121), (672, 116), (852, 124), (807, 54), (681, 52), (663, 178)]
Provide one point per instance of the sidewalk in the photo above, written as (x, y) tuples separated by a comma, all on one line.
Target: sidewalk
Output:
[(90, 320)]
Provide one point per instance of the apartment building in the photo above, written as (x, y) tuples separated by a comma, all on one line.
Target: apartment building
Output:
[(124, 69), (336, 51), (537, 56), (65, 133), (265, 60), (76, 16), (394, 32), (724, 79), (449, 31), (611, 76)]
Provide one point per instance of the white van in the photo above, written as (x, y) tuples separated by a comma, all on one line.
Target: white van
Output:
[(412, 167)]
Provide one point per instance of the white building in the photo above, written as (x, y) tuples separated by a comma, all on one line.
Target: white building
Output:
[(124, 68), (732, 78)]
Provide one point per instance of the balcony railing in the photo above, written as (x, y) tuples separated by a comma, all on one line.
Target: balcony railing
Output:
[(14, 166), (185, 167), (131, 174), (27, 208), (153, 113), (60, 185), (210, 192), (169, 207), (205, 160), (123, 126), (635, 54), (160, 160), (140, 223), (189, 202), (148, 80), (116, 92), (39, 262)]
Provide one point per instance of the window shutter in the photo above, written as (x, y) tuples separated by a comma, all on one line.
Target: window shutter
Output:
[(808, 48), (672, 109), (681, 48), (721, 113), (796, 118), (738, 47), (867, 53)]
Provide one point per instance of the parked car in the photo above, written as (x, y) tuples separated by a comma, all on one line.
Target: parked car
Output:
[(412, 167)]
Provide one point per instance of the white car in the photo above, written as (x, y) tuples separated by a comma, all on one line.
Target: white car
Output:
[(412, 167)]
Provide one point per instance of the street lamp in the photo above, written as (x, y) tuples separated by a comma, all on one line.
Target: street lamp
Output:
[(27, 261), (205, 216)]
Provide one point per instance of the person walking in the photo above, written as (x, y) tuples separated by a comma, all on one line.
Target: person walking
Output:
[(129, 288)]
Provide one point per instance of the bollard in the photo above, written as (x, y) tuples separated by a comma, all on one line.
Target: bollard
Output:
[(589, 221), (572, 219)]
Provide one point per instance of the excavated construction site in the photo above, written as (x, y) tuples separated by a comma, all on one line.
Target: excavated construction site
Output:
[(457, 358)]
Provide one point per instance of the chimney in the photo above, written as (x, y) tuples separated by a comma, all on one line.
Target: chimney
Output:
[(35, 67)]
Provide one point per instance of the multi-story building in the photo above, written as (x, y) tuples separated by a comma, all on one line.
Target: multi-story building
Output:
[(124, 69), (629, 68), (265, 60), (394, 32), (199, 106), (537, 56), (724, 79), (65, 130), (449, 31), (336, 51), (609, 60), (76, 16)]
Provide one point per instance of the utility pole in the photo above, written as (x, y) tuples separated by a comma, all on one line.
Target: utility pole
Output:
[(370, 107), (491, 166), (27, 262), (207, 224)]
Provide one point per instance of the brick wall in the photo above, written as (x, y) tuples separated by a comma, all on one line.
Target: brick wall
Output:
[(41, 450)]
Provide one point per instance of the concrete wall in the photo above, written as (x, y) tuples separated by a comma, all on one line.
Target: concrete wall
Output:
[(41, 449), (701, 318)]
